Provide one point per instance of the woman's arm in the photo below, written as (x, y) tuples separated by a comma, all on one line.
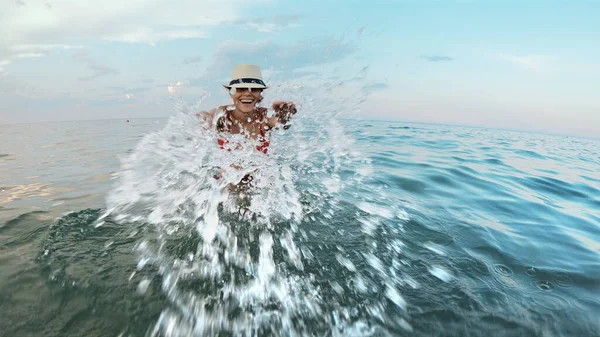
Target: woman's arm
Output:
[(207, 116)]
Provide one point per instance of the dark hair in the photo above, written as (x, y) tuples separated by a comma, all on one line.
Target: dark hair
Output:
[(224, 122)]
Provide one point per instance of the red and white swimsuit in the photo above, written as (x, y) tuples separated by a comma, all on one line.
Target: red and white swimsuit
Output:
[(264, 143)]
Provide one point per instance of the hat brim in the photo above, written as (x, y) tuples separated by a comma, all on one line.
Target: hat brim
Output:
[(245, 85)]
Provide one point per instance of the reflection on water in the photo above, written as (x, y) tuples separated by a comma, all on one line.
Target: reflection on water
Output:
[(590, 243), (425, 230), (44, 164), (17, 192)]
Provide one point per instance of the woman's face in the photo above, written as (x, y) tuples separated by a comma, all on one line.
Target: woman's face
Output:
[(245, 99)]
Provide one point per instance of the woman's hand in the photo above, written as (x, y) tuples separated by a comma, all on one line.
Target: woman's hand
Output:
[(284, 110), (207, 117)]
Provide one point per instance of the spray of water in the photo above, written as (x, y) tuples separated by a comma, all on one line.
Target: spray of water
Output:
[(247, 262)]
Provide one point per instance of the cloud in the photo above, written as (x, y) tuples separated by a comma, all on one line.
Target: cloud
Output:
[(35, 28), (3, 63), (9, 53), (376, 86), (128, 21), (124, 90), (46, 48), (39, 49), (263, 27), (272, 56), (310, 68), (40, 23), (29, 55), (174, 88), (270, 24), (192, 59), (151, 37), (437, 58), (99, 70), (20, 102), (530, 62), (14, 86)]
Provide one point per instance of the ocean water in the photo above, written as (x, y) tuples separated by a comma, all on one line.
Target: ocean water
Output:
[(353, 228)]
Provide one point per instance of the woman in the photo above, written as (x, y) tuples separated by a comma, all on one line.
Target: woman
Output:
[(244, 116)]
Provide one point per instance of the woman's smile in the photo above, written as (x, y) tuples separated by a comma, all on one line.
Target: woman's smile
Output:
[(245, 99)]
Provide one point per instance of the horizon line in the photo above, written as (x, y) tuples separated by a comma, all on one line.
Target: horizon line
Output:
[(475, 126)]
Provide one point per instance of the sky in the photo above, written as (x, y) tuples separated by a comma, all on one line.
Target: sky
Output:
[(526, 65)]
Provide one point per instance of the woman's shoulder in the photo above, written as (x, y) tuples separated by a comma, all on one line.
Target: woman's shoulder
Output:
[(224, 107), (224, 119), (213, 111)]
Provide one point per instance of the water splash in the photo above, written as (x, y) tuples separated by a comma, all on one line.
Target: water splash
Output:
[(240, 261)]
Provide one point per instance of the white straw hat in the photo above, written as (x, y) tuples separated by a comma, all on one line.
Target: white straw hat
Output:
[(246, 76)]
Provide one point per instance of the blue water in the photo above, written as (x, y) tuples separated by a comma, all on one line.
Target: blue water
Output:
[(481, 232)]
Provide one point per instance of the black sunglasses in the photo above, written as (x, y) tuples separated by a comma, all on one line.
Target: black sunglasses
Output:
[(250, 89)]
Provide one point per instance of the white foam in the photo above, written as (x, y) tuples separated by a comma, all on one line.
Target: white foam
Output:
[(394, 295), (167, 183), (143, 286), (441, 273)]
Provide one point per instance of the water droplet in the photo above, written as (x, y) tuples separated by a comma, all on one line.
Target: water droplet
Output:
[(531, 271), (440, 273), (550, 302), (502, 270), (393, 295), (369, 225), (434, 247), (507, 281), (337, 287), (544, 285), (563, 279), (402, 215), (404, 325), (143, 286), (375, 262), (374, 209), (345, 262)]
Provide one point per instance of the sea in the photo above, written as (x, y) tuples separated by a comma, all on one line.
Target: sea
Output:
[(350, 227)]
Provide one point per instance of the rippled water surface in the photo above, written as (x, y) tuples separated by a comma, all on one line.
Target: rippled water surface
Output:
[(379, 228)]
